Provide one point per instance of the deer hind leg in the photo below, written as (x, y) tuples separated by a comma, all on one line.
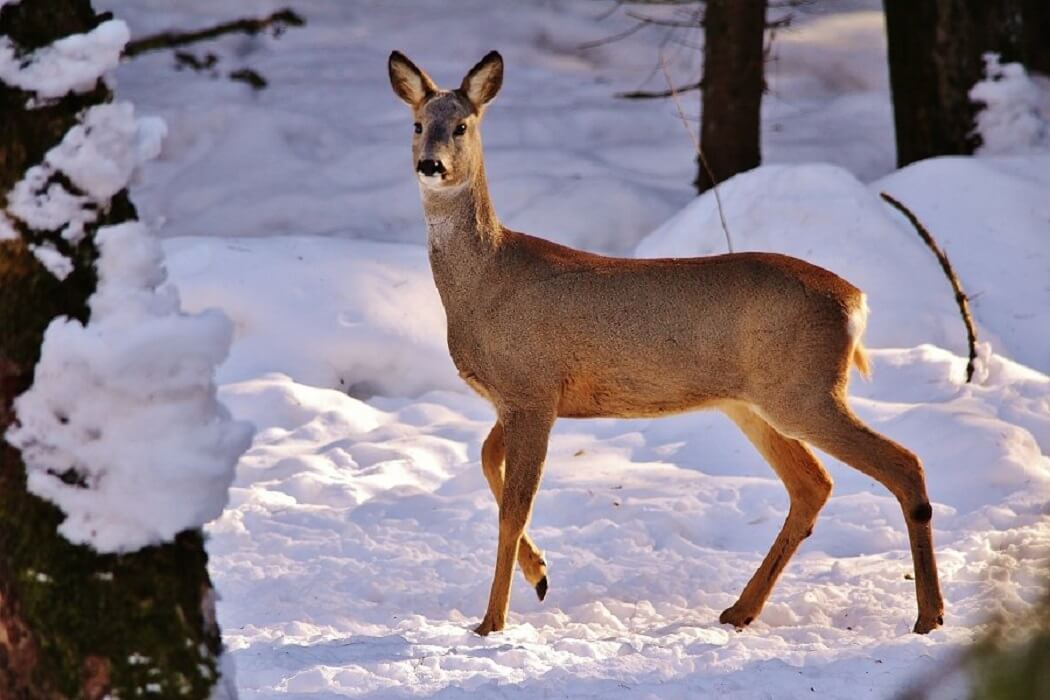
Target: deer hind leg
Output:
[(526, 440), (530, 558), (808, 484), (835, 429)]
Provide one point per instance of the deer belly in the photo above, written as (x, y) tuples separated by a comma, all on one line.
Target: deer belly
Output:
[(592, 395)]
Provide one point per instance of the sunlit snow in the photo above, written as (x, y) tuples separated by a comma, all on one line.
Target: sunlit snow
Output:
[(357, 549)]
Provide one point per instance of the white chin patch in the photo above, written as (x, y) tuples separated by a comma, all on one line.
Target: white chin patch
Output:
[(430, 181)]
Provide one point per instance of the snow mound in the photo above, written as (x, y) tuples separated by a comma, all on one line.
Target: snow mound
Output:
[(121, 427), (823, 214), (991, 216), (357, 316)]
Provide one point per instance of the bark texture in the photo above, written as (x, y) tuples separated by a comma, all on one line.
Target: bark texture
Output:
[(75, 623), (936, 50), (731, 91)]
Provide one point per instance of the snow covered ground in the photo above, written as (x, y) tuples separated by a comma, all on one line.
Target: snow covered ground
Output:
[(356, 552)]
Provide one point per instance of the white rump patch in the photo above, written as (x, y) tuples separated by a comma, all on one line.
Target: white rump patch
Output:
[(858, 320)]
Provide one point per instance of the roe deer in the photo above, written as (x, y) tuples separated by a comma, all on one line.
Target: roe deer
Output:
[(542, 331)]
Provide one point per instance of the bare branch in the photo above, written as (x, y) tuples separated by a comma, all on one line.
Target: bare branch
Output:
[(949, 272), (165, 40), (610, 12), (671, 92), (663, 2), (612, 38), (644, 21), (694, 23)]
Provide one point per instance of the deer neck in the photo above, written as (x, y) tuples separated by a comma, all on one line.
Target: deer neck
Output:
[(463, 234)]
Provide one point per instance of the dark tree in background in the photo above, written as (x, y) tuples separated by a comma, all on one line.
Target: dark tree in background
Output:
[(730, 129), (75, 623), (936, 50)]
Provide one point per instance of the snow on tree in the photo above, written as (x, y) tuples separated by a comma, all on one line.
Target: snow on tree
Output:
[(1009, 121), (115, 449)]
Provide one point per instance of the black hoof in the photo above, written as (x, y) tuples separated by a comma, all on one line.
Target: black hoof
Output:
[(541, 588)]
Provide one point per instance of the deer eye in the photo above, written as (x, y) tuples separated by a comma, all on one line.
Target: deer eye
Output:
[(460, 130), (419, 128)]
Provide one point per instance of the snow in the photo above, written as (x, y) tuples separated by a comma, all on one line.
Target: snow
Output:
[(361, 316), (57, 264), (999, 252), (1010, 120), (557, 143), (121, 428), (99, 156), (356, 551), (100, 153), (72, 64)]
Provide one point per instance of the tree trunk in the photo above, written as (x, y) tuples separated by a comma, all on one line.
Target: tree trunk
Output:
[(75, 623), (1036, 35), (935, 51), (731, 89)]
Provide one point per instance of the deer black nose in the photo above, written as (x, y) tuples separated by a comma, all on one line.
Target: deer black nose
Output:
[(430, 167)]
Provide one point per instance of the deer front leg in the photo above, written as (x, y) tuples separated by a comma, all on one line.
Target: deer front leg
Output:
[(526, 436), (808, 484), (530, 559)]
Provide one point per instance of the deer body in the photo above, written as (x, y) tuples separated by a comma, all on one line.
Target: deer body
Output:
[(544, 331)]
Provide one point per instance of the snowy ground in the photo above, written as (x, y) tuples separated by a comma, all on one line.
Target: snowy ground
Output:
[(356, 552)]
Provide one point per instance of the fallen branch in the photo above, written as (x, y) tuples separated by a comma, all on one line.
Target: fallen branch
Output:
[(699, 152), (280, 21), (949, 272)]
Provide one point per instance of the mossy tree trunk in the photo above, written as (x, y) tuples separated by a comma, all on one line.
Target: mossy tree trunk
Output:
[(936, 49), (731, 91), (75, 623)]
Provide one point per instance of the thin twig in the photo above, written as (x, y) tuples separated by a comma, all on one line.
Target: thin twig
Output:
[(669, 32), (610, 12), (662, 2), (166, 40), (949, 272), (694, 23), (641, 21), (699, 152), (644, 95), (614, 37)]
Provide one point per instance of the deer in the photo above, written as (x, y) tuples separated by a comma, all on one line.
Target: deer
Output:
[(543, 331)]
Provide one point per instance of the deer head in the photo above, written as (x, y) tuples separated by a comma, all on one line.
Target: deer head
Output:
[(446, 144)]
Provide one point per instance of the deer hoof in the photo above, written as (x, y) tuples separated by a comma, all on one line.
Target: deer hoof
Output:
[(735, 617), (487, 626), (925, 625), (541, 589)]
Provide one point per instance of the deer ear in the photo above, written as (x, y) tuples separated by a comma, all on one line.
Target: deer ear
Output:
[(484, 80), (409, 82)]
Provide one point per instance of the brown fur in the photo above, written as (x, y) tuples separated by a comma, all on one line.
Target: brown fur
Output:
[(544, 331)]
